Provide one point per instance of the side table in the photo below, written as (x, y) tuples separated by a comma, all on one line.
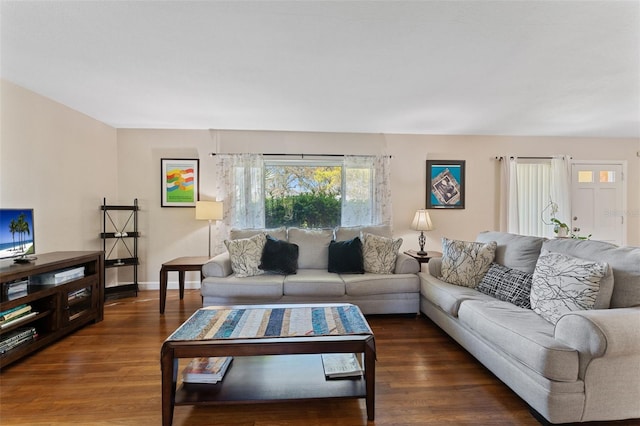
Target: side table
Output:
[(423, 258), (180, 265)]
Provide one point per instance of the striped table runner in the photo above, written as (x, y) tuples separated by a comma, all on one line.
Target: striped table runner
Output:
[(246, 322)]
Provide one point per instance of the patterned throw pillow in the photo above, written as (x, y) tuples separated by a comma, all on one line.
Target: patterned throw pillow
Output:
[(507, 284), (464, 263), (245, 254), (563, 283), (380, 253)]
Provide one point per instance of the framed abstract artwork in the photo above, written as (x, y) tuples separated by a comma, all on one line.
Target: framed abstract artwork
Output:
[(179, 182), (445, 184)]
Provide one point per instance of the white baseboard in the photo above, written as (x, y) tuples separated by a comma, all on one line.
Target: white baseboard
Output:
[(171, 285)]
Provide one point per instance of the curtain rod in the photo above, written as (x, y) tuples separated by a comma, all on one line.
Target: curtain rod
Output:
[(213, 154), (500, 158)]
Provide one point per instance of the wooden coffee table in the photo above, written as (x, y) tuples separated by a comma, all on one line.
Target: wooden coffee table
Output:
[(269, 365)]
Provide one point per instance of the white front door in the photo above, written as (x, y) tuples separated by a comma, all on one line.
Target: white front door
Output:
[(597, 201)]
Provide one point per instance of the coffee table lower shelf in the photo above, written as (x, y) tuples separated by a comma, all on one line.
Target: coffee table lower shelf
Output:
[(255, 379)]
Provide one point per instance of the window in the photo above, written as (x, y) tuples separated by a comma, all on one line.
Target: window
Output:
[(534, 190), (324, 193), (534, 184), (305, 194)]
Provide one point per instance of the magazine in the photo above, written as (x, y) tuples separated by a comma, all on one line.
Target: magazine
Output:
[(338, 365), (206, 370)]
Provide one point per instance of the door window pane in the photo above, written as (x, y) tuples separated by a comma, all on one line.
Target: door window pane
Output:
[(607, 176), (585, 176)]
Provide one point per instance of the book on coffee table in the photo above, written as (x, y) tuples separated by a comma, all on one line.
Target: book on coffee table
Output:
[(206, 370), (337, 365)]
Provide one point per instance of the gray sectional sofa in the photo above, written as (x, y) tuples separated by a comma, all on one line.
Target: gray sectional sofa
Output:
[(586, 366), (374, 293)]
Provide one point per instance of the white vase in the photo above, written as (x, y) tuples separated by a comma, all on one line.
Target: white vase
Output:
[(562, 232)]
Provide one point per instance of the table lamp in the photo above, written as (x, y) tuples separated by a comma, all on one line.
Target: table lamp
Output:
[(422, 222), (209, 210)]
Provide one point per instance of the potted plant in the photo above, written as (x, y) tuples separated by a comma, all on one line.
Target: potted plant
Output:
[(561, 229)]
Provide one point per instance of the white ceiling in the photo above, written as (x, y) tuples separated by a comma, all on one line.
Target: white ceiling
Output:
[(560, 68)]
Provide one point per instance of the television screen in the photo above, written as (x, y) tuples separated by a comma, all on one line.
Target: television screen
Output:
[(16, 233)]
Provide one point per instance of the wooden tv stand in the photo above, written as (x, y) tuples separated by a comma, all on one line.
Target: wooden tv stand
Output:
[(62, 307)]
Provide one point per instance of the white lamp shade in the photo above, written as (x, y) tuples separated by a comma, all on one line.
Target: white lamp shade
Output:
[(422, 221), (209, 210)]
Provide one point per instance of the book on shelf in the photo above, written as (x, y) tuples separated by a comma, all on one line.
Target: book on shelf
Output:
[(16, 338), (14, 312), (17, 320), (208, 370), (78, 294), (337, 365)]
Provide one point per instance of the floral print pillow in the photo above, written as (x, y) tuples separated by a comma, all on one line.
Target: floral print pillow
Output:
[(380, 253), (465, 263), (245, 254), (563, 283)]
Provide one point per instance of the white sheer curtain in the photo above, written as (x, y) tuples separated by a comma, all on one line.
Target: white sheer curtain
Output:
[(528, 188), (509, 217), (534, 183), (240, 185), (560, 190), (366, 193)]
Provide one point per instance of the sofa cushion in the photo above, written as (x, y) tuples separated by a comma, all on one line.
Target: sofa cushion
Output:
[(507, 284), (447, 297), (349, 232), (623, 261), (279, 257), (563, 283), (313, 247), (245, 254), (465, 263), (523, 335), (514, 251), (278, 233), (267, 286), (368, 284), (313, 282), (345, 257), (380, 253)]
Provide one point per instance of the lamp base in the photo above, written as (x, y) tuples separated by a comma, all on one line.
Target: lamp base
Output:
[(421, 241)]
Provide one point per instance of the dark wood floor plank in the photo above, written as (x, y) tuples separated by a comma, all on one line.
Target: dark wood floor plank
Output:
[(109, 374)]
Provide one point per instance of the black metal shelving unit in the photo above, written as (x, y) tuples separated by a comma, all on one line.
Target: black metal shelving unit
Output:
[(120, 244)]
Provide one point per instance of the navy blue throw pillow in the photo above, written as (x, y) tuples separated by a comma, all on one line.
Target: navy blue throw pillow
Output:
[(279, 257), (345, 257)]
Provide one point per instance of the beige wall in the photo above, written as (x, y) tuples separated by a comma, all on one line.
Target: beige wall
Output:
[(62, 163), (173, 232), (59, 162)]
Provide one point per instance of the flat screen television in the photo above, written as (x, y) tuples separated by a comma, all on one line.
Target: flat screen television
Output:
[(17, 234)]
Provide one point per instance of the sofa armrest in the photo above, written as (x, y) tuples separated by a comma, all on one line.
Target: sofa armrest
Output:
[(218, 266), (435, 266), (406, 264), (600, 333)]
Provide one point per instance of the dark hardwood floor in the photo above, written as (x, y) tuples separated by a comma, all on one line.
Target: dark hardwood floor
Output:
[(109, 374)]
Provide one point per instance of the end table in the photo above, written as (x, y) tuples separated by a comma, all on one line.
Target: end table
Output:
[(180, 265), (423, 258)]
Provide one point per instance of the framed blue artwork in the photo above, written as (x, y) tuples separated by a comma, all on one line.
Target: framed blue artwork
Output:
[(445, 184)]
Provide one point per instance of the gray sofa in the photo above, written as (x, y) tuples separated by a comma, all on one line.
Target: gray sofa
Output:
[(397, 292), (586, 367)]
